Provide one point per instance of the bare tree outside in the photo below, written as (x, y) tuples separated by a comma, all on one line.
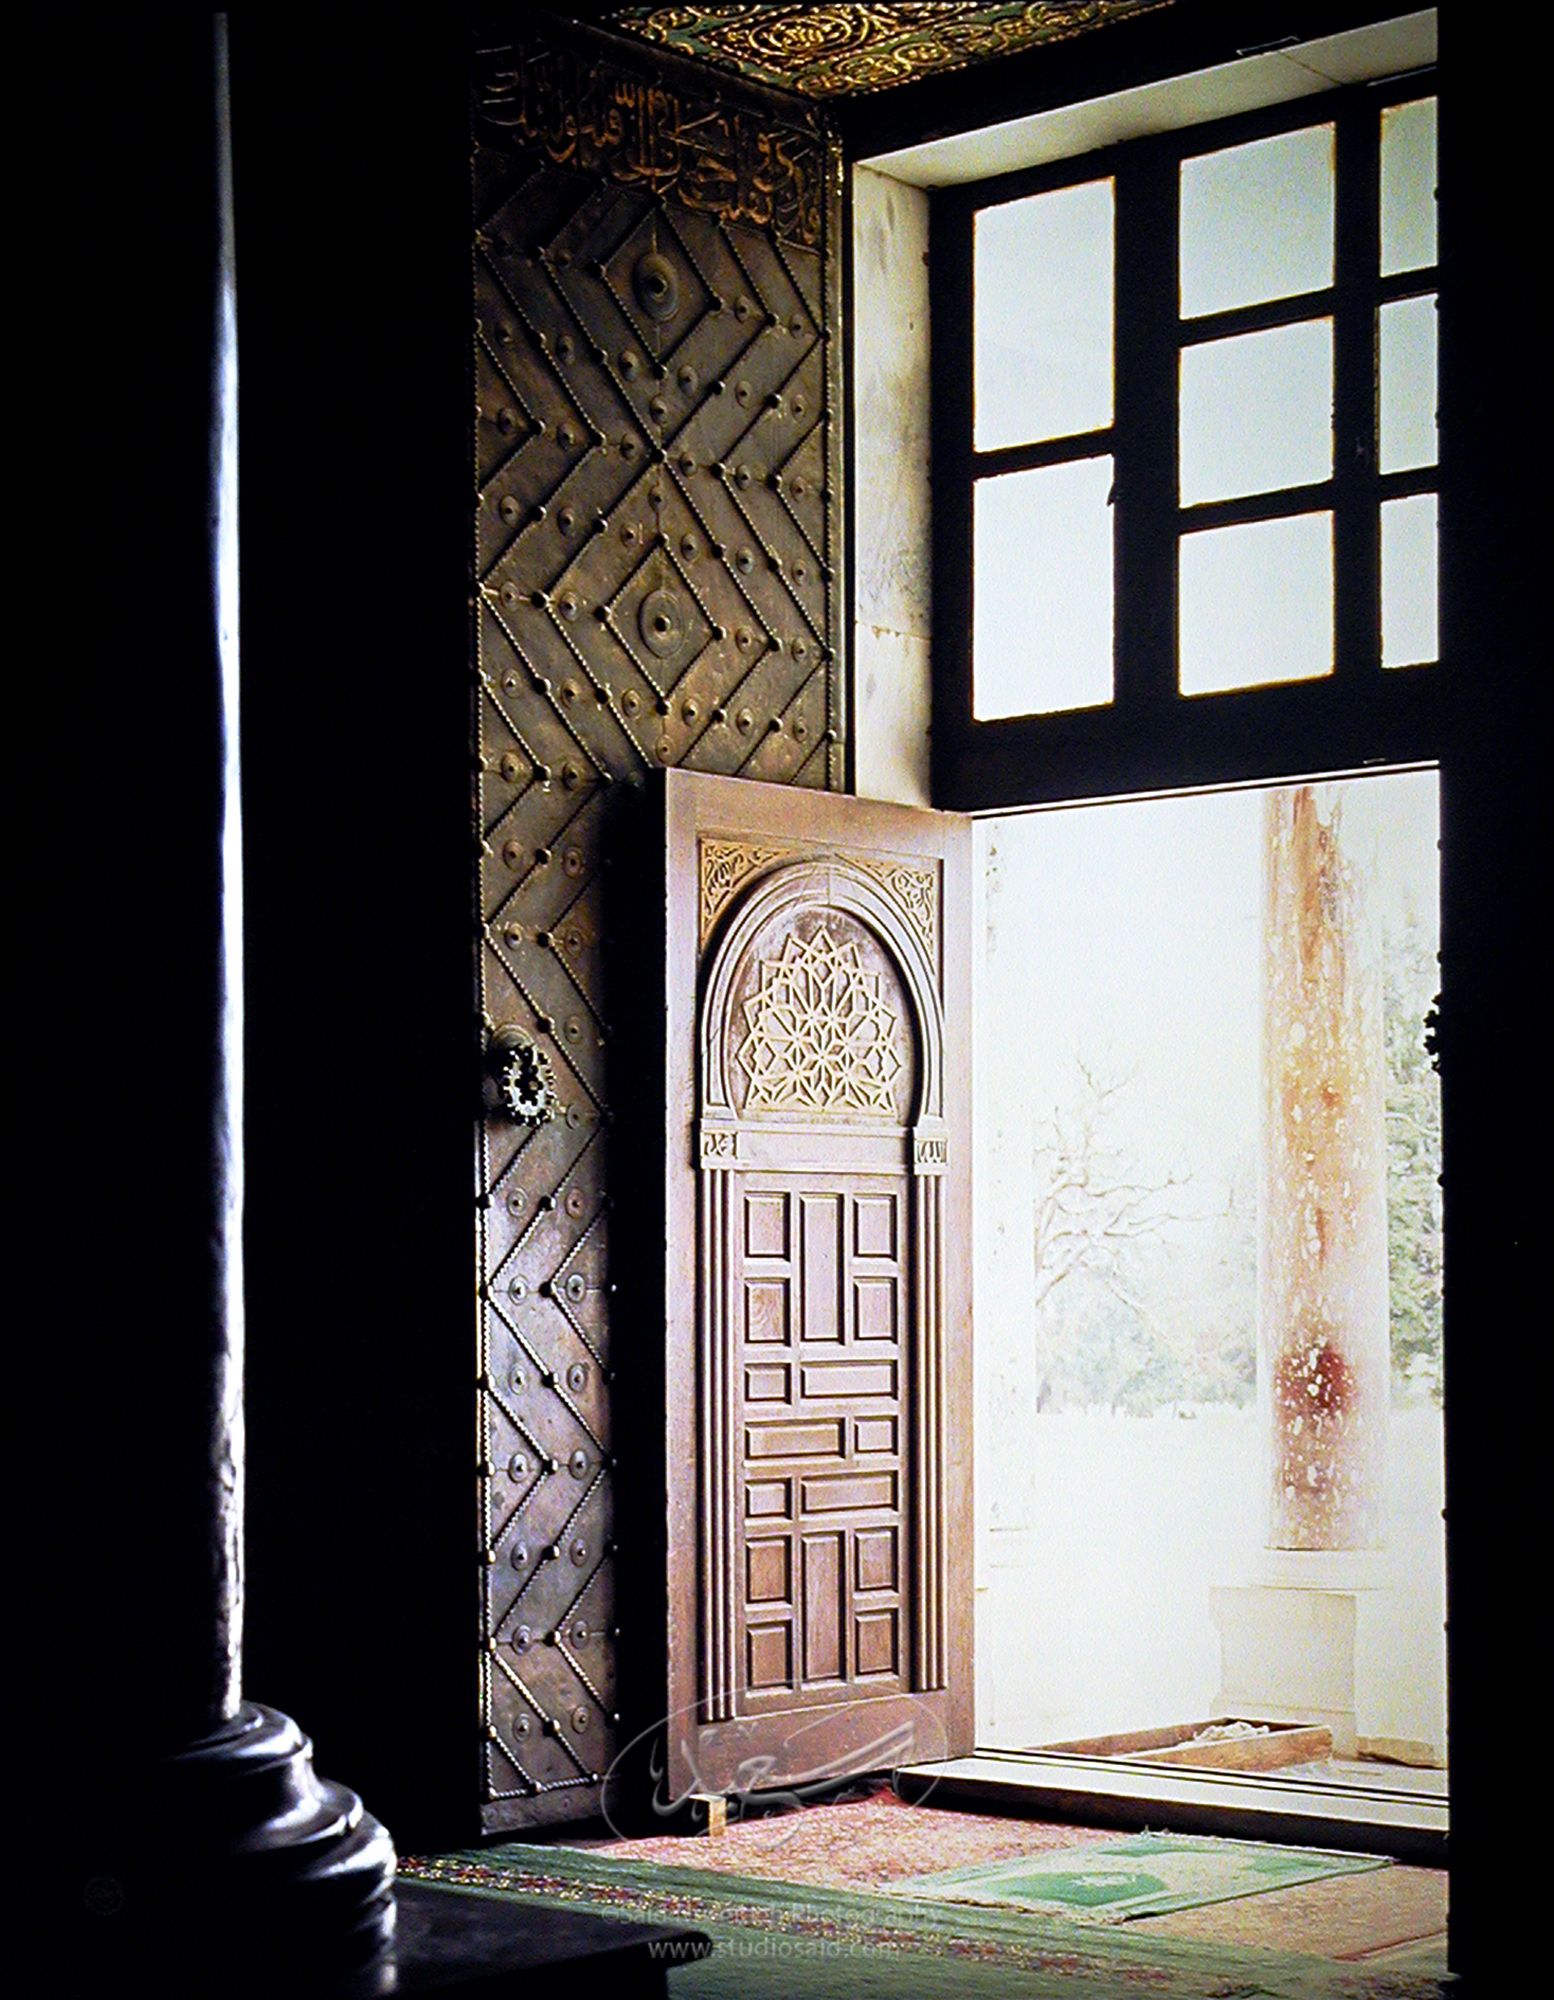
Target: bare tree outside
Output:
[(1143, 1294), (1414, 1222)]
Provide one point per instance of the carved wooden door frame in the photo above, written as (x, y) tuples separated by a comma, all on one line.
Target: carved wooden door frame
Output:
[(738, 855)]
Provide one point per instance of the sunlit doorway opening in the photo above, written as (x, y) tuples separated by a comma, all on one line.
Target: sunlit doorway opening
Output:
[(1208, 1282)]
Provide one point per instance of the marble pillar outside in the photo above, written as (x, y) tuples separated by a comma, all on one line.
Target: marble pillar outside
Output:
[(1293, 1635), (1322, 1234)]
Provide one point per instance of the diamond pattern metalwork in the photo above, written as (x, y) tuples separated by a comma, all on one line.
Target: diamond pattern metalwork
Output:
[(656, 551)]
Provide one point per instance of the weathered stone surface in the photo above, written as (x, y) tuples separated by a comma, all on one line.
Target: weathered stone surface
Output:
[(1322, 1252)]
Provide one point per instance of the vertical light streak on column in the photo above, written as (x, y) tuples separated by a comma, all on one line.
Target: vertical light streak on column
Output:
[(228, 1440)]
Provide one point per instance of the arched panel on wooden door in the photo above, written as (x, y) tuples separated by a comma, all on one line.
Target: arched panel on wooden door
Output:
[(819, 1400)]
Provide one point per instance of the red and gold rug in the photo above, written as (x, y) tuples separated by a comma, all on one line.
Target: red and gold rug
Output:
[(862, 1843)]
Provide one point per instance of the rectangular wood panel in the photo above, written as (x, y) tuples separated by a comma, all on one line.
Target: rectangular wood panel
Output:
[(765, 1497), (767, 1309), (766, 1225), (846, 1530), (875, 1556), (823, 1607), (875, 1306), (769, 1657), (820, 1234), (794, 1440), (829, 1379), (874, 1226), (877, 1643), (848, 1493), (767, 1567)]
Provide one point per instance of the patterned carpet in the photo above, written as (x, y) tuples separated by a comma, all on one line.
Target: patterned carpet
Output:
[(1359, 1918), (860, 1843), (871, 1842), (779, 1940)]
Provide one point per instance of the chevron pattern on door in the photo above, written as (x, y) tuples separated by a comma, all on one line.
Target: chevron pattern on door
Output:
[(657, 557)]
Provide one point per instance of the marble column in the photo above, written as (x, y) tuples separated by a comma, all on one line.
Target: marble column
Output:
[(1296, 1637), (1322, 1235)]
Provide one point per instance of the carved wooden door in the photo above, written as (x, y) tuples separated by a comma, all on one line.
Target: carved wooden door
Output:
[(817, 1328)]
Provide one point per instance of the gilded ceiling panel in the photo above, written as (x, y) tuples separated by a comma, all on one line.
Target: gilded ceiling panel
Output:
[(837, 51)]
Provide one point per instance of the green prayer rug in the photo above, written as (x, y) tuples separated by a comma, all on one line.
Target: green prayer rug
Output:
[(1143, 1876)]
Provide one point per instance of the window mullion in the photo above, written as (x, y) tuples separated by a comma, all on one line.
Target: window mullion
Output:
[(950, 316), (1356, 520), (1145, 483), (1049, 451)]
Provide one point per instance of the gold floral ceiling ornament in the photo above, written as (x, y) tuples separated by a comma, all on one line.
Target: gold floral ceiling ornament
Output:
[(838, 51)]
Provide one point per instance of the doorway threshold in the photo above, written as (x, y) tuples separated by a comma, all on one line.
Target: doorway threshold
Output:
[(1132, 1795)]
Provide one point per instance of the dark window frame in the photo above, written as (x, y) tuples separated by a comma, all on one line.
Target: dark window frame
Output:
[(1151, 736)]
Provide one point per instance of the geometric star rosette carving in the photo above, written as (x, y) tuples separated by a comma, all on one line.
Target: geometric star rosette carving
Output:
[(819, 1036)]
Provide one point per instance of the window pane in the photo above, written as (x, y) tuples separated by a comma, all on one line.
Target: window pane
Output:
[(1408, 377), (1042, 629), (1257, 221), (1409, 588), (1043, 308), (1257, 604), (1257, 412), (1408, 186)]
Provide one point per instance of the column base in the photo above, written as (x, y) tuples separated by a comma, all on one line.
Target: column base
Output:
[(245, 1873), (1290, 1642)]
